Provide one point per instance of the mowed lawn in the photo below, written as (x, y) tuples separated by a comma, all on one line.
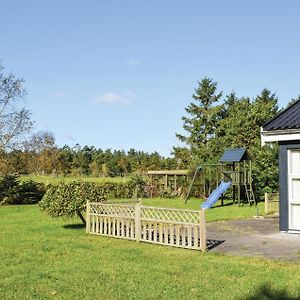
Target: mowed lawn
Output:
[(44, 258), (217, 213)]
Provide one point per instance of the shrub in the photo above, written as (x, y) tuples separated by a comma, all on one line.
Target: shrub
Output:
[(69, 199), (14, 192)]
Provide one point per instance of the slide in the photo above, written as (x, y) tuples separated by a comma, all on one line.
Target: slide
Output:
[(215, 195)]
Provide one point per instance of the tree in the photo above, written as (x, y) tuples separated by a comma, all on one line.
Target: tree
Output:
[(182, 157), (44, 153), (202, 121), (68, 200), (14, 121), (235, 127), (242, 119)]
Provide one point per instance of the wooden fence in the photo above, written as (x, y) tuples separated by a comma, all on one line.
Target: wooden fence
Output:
[(164, 226), (271, 203)]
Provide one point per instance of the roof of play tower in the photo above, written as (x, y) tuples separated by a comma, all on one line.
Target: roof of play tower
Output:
[(234, 155)]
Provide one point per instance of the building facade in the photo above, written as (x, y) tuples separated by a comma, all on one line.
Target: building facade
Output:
[(285, 129)]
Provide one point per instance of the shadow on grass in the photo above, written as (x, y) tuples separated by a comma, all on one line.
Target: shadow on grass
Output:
[(74, 226), (266, 293), (220, 205)]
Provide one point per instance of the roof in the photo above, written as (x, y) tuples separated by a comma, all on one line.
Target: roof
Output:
[(234, 155), (287, 119)]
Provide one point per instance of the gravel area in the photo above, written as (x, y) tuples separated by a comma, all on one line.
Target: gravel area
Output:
[(254, 237)]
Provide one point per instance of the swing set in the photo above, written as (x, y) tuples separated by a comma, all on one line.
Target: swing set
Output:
[(234, 166)]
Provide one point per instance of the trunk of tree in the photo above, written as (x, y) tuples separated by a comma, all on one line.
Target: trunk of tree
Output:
[(81, 217)]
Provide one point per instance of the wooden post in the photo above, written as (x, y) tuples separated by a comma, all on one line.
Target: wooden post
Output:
[(202, 230), (138, 222), (166, 182), (239, 182), (151, 184), (222, 177), (88, 220), (266, 203)]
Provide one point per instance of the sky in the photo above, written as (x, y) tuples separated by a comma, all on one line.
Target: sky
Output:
[(118, 73)]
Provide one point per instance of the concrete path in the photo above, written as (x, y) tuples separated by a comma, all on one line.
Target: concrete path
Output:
[(255, 237)]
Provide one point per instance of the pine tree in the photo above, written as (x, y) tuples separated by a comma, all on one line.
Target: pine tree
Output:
[(203, 116)]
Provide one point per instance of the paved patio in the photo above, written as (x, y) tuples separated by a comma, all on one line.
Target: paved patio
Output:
[(254, 237)]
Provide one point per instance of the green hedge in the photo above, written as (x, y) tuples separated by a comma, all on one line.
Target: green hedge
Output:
[(12, 191), (69, 199)]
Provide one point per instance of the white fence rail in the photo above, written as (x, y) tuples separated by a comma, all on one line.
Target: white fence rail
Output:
[(164, 226)]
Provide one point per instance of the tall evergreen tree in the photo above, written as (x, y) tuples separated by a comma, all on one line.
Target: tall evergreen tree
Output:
[(202, 120)]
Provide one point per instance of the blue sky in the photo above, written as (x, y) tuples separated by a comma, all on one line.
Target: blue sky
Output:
[(118, 74)]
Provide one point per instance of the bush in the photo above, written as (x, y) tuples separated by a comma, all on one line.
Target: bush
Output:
[(67, 200), (14, 192)]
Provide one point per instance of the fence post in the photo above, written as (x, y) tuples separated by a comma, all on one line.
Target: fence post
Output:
[(202, 230), (266, 203), (88, 222), (138, 222)]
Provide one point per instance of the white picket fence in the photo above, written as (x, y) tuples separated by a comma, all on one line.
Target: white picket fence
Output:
[(164, 226)]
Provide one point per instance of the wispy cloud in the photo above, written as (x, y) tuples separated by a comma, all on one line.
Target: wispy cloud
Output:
[(124, 98), (133, 62)]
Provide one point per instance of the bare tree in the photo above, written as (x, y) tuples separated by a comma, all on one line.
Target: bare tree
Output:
[(14, 119)]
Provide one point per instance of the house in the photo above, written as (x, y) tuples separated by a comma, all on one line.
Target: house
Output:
[(285, 129)]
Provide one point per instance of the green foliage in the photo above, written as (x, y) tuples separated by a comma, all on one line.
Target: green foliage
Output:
[(234, 124), (66, 200), (69, 199), (14, 192), (42, 157), (203, 118), (265, 170)]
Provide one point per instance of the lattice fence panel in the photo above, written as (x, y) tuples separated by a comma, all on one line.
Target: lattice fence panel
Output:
[(115, 210), (164, 226), (170, 215)]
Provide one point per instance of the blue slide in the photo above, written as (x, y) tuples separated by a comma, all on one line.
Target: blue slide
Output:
[(215, 195)]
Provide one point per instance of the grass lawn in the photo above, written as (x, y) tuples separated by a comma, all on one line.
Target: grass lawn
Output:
[(48, 179), (217, 213), (44, 258)]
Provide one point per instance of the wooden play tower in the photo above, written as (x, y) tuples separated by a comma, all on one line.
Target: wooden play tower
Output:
[(234, 166), (237, 167)]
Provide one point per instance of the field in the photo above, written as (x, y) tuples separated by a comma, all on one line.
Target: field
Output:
[(44, 258)]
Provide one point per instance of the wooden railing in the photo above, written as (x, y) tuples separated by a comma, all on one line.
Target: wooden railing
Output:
[(164, 226)]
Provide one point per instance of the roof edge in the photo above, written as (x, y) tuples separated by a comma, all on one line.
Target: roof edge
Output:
[(278, 115)]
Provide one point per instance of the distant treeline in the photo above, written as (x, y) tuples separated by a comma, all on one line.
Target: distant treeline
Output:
[(45, 158)]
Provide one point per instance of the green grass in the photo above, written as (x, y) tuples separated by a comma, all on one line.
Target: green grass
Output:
[(44, 258), (48, 179), (217, 213)]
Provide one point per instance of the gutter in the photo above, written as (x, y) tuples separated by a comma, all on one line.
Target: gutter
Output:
[(279, 135)]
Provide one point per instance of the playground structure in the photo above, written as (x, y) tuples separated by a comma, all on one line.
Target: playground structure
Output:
[(168, 180), (215, 195), (236, 167)]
